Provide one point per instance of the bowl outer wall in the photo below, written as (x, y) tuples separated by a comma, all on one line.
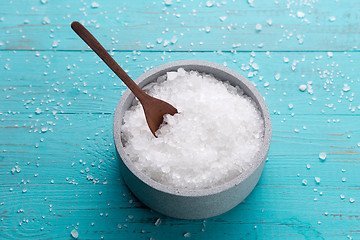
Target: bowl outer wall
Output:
[(200, 203)]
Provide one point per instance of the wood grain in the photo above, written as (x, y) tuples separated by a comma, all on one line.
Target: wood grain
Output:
[(58, 168), (136, 25)]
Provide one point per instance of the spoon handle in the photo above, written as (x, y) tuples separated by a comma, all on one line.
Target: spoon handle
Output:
[(91, 41)]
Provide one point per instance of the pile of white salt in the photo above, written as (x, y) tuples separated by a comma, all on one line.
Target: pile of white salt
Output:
[(212, 140)]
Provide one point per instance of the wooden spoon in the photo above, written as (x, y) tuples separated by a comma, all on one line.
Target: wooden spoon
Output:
[(154, 108)]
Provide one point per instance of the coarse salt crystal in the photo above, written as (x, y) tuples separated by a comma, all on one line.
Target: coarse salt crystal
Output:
[(95, 5), (300, 14), (304, 182), (222, 18), (157, 222), (277, 76), (168, 2), (346, 88), (302, 87), (74, 234), (322, 156), (171, 75), (187, 234), (46, 20), (210, 3), (173, 39)]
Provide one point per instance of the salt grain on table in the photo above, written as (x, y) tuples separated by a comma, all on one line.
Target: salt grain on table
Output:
[(74, 234), (213, 139)]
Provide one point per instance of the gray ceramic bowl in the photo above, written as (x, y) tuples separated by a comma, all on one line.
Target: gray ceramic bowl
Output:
[(192, 204)]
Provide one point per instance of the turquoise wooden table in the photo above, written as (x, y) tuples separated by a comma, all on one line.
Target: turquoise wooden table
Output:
[(59, 176)]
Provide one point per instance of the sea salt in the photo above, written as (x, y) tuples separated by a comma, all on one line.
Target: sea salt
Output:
[(258, 27), (158, 222), (300, 14), (212, 140), (346, 88), (222, 18), (322, 156), (95, 5), (74, 234), (187, 234), (210, 3), (302, 87), (277, 76), (304, 182)]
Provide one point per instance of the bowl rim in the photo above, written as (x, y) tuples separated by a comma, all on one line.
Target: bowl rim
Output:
[(259, 158)]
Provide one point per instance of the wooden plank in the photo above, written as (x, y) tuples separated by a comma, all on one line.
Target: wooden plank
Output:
[(135, 25), (66, 194), (88, 138), (76, 82)]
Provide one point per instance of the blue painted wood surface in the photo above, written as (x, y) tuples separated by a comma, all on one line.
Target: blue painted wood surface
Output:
[(58, 169)]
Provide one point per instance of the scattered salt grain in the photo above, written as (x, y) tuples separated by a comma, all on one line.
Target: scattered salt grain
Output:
[(158, 222), (332, 19), (351, 200), (187, 234), (46, 20), (302, 87), (55, 43), (304, 182), (95, 5), (346, 88), (258, 27), (173, 39), (210, 3), (322, 156), (277, 76), (251, 3), (317, 180), (166, 42), (168, 2), (194, 149), (222, 18), (300, 14), (74, 234)]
